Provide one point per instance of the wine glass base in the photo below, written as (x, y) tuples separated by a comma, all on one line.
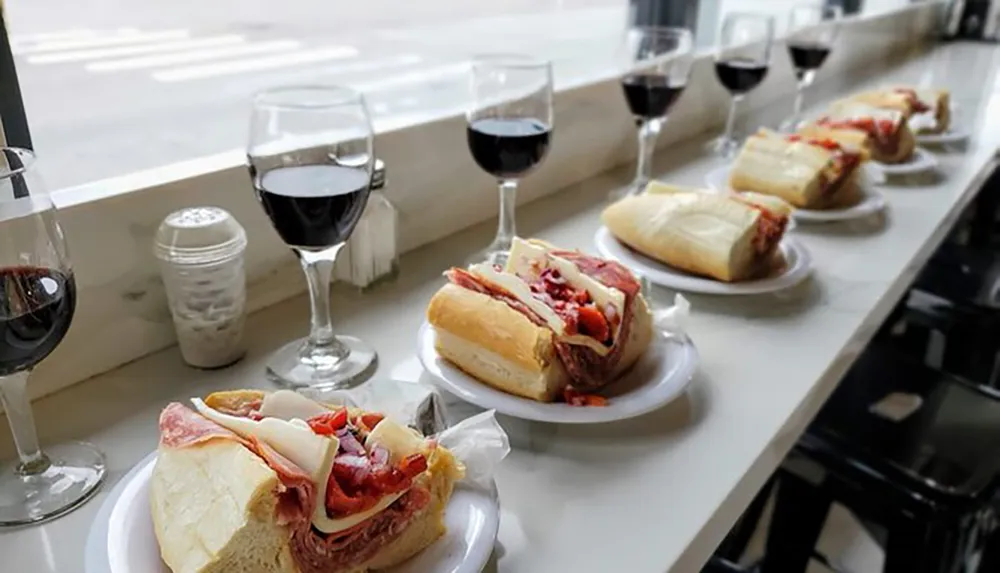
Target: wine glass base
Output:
[(726, 147), (298, 365), (76, 473)]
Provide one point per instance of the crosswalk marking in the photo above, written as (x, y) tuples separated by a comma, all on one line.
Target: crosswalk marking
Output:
[(134, 37), (163, 60), (103, 53), (265, 63)]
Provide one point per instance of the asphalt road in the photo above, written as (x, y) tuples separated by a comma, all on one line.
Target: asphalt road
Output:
[(116, 86)]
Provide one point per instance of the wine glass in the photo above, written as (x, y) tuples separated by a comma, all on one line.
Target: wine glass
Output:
[(657, 63), (812, 29), (509, 127), (741, 63), (37, 300), (310, 157)]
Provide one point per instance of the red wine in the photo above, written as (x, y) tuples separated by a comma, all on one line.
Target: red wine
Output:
[(650, 96), (508, 147), (739, 75), (36, 308), (313, 206), (807, 57)]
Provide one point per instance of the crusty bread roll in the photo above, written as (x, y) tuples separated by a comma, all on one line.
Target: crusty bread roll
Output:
[(215, 503), (701, 233), (894, 147), (793, 168), (852, 139), (938, 117), (500, 347)]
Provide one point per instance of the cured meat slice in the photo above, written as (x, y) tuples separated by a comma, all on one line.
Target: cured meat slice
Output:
[(297, 499), (317, 553), (467, 280), (182, 427)]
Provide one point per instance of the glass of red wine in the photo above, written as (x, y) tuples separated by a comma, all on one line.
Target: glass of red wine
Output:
[(310, 157), (812, 30), (741, 63), (37, 301), (657, 63), (509, 127)]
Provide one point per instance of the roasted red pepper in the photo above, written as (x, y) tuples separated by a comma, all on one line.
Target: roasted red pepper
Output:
[(328, 423), (577, 398)]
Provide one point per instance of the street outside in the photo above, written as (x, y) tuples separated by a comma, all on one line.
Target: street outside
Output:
[(113, 86)]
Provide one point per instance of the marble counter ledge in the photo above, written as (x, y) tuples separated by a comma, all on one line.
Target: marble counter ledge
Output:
[(661, 490)]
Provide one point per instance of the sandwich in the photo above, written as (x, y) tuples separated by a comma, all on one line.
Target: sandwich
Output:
[(809, 172), (254, 482), (928, 109), (731, 238), (889, 139), (551, 324)]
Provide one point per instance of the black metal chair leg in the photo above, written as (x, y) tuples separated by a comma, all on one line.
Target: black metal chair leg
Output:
[(800, 510), (735, 544), (914, 547)]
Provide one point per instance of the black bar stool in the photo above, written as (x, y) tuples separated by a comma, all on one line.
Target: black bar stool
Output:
[(926, 477)]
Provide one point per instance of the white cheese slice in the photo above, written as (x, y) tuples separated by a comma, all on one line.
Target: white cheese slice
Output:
[(398, 439), (311, 452), (287, 405)]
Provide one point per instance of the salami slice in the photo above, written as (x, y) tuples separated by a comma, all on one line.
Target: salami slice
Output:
[(314, 552), (181, 427), (467, 280), (297, 499)]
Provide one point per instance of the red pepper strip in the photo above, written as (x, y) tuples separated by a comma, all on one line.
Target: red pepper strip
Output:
[(328, 423), (577, 398)]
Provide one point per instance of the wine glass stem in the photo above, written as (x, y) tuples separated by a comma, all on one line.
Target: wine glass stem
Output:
[(800, 96), (731, 120), (14, 397), (318, 266), (649, 130), (506, 226)]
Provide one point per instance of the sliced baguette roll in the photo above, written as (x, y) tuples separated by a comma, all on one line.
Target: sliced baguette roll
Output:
[(938, 119), (701, 233), (793, 171), (499, 346), (893, 148), (850, 139), (213, 507)]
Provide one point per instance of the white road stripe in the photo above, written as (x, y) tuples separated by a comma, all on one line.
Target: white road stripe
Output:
[(164, 60), (102, 53), (418, 76), (96, 42), (16, 39), (265, 63)]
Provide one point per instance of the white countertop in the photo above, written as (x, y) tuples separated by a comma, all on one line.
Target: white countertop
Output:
[(651, 494)]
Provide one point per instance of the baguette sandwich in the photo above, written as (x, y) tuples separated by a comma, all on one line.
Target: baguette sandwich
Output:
[(889, 139), (551, 324), (726, 237), (248, 482), (806, 171), (928, 109)]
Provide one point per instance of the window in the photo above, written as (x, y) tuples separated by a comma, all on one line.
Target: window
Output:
[(123, 86)]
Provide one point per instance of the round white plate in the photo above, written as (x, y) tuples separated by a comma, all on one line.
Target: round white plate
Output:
[(942, 138), (797, 259), (921, 160), (121, 538), (871, 202), (661, 375)]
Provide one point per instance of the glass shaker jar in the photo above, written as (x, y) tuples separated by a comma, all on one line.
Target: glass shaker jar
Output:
[(201, 252), (371, 256)]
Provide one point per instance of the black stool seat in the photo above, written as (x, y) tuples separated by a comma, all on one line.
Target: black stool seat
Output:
[(927, 478), (963, 275)]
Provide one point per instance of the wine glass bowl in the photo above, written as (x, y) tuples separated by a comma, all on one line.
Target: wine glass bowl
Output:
[(812, 32), (37, 303), (509, 128), (656, 64), (311, 157), (741, 64)]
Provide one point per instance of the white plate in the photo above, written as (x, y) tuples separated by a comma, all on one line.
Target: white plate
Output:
[(921, 160), (872, 201), (662, 374), (942, 138), (121, 538), (797, 259)]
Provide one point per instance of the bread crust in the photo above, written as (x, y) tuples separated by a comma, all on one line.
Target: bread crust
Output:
[(704, 234), (904, 150), (489, 343)]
